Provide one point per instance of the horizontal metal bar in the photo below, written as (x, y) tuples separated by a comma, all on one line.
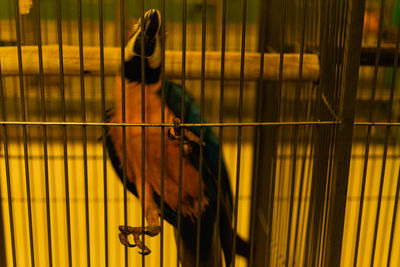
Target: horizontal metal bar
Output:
[(365, 123), (241, 197), (285, 156), (173, 63), (206, 124)]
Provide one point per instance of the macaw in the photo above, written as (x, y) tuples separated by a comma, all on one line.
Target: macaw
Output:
[(190, 164)]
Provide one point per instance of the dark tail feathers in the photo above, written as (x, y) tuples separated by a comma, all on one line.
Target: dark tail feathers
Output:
[(242, 247), (226, 235)]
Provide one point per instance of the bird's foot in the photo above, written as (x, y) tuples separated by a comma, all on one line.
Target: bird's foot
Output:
[(136, 232), (189, 137)]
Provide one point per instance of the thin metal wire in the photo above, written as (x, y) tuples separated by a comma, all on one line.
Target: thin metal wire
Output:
[(276, 238), (315, 104), (329, 107), (97, 157), (314, 231), (104, 131), (162, 129), (183, 125), (268, 259), (124, 178), (24, 132), (221, 130), (203, 60), (386, 145), (280, 218), (311, 208), (337, 47), (277, 223), (184, 11), (143, 121), (8, 176), (311, 29), (64, 119), (329, 44), (303, 180), (368, 138), (83, 110), (396, 200), (258, 135), (239, 137), (306, 193), (343, 31), (365, 123), (394, 220), (295, 134), (44, 131)]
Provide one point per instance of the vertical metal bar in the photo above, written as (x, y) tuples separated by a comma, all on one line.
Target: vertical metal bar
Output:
[(387, 135), (162, 130), (278, 233), (396, 200), (83, 110), (3, 259), (258, 136), (329, 91), (44, 131), (309, 137), (296, 118), (394, 220), (279, 100), (337, 45), (344, 137), (387, 139), (143, 120), (319, 165), (8, 176), (104, 130), (181, 132), (308, 193), (268, 143), (239, 138), (333, 47), (339, 56), (221, 130), (124, 178), (313, 138), (64, 119), (321, 156), (303, 186), (203, 60), (24, 132), (330, 44), (368, 138)]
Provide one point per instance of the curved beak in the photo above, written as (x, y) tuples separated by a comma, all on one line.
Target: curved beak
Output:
[(151, 31)]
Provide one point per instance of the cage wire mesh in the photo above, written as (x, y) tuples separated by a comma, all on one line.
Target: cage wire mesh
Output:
[(305, 106)]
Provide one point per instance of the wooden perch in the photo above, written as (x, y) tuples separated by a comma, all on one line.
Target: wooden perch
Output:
[(173, 63)]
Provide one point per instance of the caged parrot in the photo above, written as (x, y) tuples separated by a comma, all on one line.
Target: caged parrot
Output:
[(190, 164)]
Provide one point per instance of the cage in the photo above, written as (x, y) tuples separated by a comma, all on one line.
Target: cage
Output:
[(302, 96)]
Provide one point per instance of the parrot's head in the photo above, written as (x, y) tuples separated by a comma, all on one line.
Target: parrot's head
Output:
[(152, 46)]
